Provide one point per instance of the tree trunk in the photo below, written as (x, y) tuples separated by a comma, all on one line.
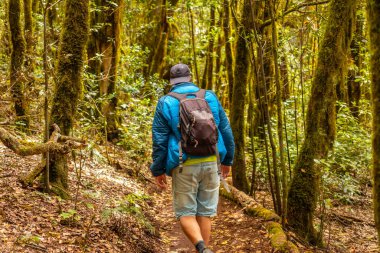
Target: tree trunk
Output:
[(354, 91), (29, 30), (373, 14), (239, 173), (156, 36), (69, 83), (282, 201), (209, 66), (105, 41), (229, 62), (17, 62), (321, 117)]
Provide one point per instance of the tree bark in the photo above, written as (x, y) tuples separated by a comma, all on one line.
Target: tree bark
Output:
[(17, 65), (354, 83), (373, 14), (239, 173), (321, 118), (69, 83), (207, 80), (29, 30), (229, 62), (105, 41)]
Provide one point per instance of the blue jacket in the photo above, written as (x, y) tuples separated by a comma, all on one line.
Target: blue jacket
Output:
[(166, 134)]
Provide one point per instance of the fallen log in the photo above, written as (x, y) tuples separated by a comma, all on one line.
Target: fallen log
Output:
[(278, 238)]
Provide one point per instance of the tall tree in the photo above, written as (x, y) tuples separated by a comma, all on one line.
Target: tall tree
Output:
[(373, 13), (353, 82), (239, 174), (105, 41), (17, 62), (30, 43), (68, 87), (156, 37), (207, 82), (228, 48), (321, 117)]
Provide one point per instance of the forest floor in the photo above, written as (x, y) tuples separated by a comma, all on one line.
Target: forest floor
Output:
[(114, 212), (32, 221)]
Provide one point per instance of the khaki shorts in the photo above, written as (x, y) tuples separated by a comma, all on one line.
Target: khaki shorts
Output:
[(196, 190)]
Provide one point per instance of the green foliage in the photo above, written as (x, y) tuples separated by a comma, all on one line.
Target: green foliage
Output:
[(70, 214), (28, 238), (132, 206), (346, 172)]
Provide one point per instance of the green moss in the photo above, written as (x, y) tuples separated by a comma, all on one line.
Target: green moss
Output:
[(239, 173), (68, 88), (263, 213), (279, 239), (321, 117)]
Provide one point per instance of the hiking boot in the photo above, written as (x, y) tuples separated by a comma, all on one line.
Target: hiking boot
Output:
[(206, 250)]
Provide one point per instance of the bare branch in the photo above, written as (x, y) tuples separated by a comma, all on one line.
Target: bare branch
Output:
[(296, 8)]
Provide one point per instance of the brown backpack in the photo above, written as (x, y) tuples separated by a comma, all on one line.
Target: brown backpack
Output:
[(199, 134)]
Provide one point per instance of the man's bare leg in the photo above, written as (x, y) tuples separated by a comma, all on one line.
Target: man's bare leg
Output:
[(191, 228), (205, 227)]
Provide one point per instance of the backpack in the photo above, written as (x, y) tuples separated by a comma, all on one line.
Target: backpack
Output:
[(199, 133)]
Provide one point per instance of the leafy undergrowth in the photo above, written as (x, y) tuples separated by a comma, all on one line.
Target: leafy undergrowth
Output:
[(110, 213)]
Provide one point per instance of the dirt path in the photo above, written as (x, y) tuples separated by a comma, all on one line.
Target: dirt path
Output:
[(233, 231)]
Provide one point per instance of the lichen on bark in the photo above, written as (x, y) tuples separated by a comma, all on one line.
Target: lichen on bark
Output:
[(321, 117), (68, 87)]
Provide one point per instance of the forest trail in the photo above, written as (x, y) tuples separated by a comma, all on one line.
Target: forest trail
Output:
[(32, 222), (232, 229)]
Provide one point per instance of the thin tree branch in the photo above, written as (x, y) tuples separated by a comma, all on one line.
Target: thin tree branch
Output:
[(296, 8)]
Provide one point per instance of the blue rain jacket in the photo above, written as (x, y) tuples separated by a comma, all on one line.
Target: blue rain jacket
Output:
[(166, 135)]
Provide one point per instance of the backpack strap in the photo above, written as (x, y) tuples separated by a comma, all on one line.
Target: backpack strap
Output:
[(199, 94), (178, 96)]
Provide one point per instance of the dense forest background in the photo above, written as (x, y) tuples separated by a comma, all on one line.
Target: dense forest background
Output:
[(298, 79)]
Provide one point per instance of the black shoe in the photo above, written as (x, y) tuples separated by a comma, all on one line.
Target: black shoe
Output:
[(206, 250)]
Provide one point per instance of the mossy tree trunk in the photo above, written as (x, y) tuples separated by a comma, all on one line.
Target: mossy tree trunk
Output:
[(207, 80), (229, 62), (30, 42), (354, 83), (157, 35), (373, 14), (68, 88), (239, 173), (17, 64), (321, 119), (105, 41)]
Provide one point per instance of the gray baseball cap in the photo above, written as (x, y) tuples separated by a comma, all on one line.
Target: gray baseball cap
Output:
[(180, 73)]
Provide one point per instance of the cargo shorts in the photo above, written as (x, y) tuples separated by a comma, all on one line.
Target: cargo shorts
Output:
[(195, 190)]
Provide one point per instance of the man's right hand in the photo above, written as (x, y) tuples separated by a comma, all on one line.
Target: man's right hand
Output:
[(161, 181), (225, 170)]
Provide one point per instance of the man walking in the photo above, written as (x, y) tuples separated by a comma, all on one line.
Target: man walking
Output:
[(191, 138)]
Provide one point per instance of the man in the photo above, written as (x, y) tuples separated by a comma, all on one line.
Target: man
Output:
[(195, 179)]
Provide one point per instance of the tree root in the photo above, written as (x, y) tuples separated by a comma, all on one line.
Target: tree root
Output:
[(28, 179), (278, 238)]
